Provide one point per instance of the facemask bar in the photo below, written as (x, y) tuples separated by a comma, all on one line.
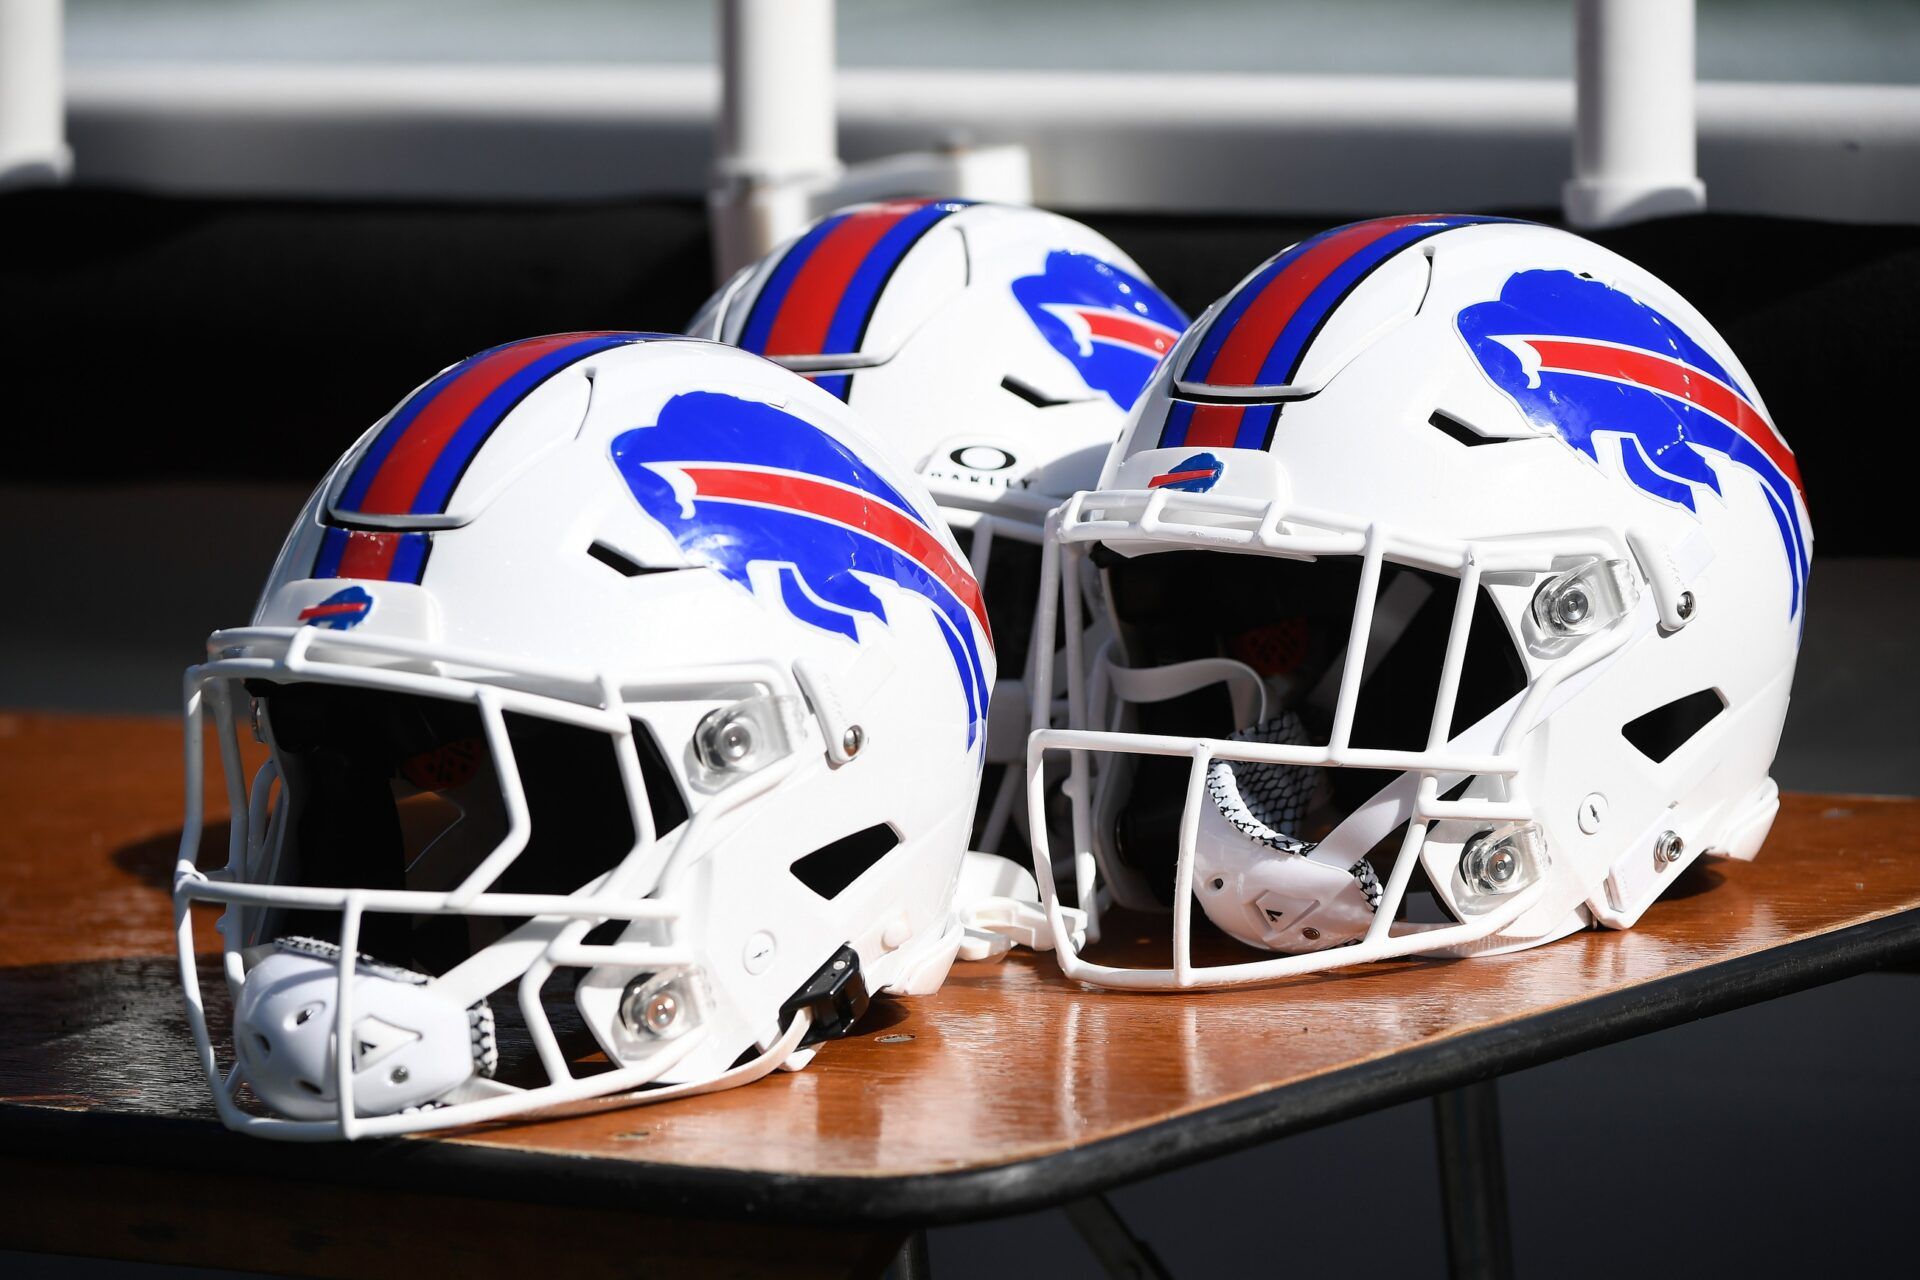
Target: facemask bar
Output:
[(1170, 519), (639, 887), (985, 521)]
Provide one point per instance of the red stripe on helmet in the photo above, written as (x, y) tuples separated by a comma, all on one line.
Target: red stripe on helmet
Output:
[(851, 508), (1237, 363), (333, 610), (1175, 477), (1133, 331), (807, 310), (406, 465), (1671, 378), (368, 555), (1214, 424)]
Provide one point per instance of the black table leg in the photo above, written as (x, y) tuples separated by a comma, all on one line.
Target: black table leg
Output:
[(1122, 1254), (913, 1262), (1473, 1182)]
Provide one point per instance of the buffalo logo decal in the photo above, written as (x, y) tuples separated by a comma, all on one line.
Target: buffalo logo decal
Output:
[(340, 611), (1616, 379), (1112, 325), (1190, 475), (782, 508)]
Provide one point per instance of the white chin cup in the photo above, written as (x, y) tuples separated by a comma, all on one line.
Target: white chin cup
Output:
[(1253, 876), (411, 1046), (1272, 899)]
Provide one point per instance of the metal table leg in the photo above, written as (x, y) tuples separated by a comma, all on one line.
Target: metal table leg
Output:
[(912, 1262), (1473, 1182), (1122, 1254)]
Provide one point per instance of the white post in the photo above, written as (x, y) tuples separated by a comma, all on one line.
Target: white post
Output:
[(1634, 136), (33, 144), (776, 143)]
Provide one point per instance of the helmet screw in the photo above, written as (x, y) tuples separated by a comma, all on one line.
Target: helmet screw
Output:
[(662, 1008), (852, 740), (1593, 812), (1500, 866), (735, 741), (1495, 863), (1683, 607), (1668, 848), (1572, 607), (1310, 934), (398, 1075), (653, 1006)]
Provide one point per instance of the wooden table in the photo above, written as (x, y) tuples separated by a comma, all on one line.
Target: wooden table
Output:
[(1010, 1090)]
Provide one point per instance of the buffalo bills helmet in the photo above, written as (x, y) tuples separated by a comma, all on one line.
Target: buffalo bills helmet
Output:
[(1456, 575), (995, 348), (622, 710)]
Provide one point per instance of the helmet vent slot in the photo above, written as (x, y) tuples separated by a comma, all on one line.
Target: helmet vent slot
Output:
[(1032, 394), (1664, 730), (829, 869), (625, 565), (1455, 429)]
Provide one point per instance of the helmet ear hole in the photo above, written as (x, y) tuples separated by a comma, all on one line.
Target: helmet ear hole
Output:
[(831, 868), (1665, 729)]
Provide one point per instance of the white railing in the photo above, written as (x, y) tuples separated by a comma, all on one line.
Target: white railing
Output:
[(33, 147), (1169, 143)]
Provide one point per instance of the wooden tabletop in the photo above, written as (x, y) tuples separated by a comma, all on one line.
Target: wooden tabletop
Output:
[(1010, 1089)]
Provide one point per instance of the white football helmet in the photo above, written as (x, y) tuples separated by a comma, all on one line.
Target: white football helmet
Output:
[(1457, 575), (995, 348), (621, 699)]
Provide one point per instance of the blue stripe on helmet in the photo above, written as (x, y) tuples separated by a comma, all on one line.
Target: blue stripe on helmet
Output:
[(488, 414), (766, 307)]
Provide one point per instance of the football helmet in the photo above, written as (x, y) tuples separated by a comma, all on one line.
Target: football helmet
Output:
[(995, 348), (624, 709), (1456, 574)]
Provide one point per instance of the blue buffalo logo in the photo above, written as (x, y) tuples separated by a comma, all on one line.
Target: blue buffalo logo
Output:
[(1112, 325), (1610, 375), (1190, 475), (785, 510), (340, 611)]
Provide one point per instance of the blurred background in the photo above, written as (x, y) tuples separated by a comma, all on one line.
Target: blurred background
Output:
[(1850, 41), (264, 221)]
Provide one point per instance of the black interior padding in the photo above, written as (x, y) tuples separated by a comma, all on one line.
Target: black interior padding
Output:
[(1176, 606), (1664, 730), (664, 800), (346, 755), (339, 750), (581, 827), (829, 869)]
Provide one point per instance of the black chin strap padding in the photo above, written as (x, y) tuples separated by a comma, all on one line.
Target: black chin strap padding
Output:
[(1267, 802), (836, 996)]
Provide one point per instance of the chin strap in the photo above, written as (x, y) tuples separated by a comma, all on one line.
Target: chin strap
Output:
[(1246, 690)]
